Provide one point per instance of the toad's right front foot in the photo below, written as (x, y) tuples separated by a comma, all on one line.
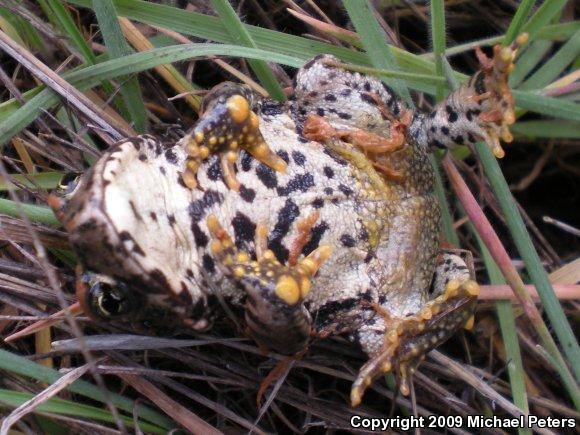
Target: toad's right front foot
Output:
[(274, 311), (227, 123)]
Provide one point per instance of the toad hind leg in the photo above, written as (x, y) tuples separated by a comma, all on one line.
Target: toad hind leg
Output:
[(408, 339), (481, 109), (227, 124), (274, 311)]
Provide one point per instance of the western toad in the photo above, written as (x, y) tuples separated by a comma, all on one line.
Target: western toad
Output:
[(317, 217)]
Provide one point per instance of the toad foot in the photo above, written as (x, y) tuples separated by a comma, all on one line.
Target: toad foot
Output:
[(227, 124), (274, 311), (408, 339)]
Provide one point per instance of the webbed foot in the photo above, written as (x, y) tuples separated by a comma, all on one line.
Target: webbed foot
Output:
[(483, 108), (226, 125), (409, 339), (274, 311)]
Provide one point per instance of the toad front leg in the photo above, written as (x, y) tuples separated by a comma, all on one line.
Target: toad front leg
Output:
[(227, 124), (274, 311), (408, 339)]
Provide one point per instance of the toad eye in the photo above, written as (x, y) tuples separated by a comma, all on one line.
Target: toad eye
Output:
[(108, 301), (68, 183)]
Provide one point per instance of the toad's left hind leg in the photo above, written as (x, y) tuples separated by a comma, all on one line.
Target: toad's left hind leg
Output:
[(408, 339), (481, 109), (274, 311), (227, 123)]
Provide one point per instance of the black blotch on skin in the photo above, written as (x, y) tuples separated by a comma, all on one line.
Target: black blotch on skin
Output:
[(309, 64), (184, 296), (214, 171), (271, 108), (368, 99), (136, 142), (299, 158), (162, 170), (479, 83), (330, 97), (283, 155), (171, 219), (143, 157), (200, 238), (335, 157), (246, 160), (153, 216), (345, 189), (344, 115), (208, 263), (267, 176), (198, 310), (458, 140), (320, 111), (247, 194), (347, 240), (158, 277), (445, 130), (209, 198), (318, 203), (286, 216), (244, 229), (126, 236), (388, 89), (328, 171), (316, 234), (170, 156), (328, 191), (438, 144), (451, 114), (345, 92), (301, 182), (329, 311)]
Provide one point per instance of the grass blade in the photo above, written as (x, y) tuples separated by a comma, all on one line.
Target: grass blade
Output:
[(375, 43), (66, 407), (533, 263), (91, 76), (548, 129), (117, 47), (517, 21), (36, 213), (438, 40), (557, 63), (529, 59), (505, 314), (22, 366), (543, 16), (62, 15), (241, 36)]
